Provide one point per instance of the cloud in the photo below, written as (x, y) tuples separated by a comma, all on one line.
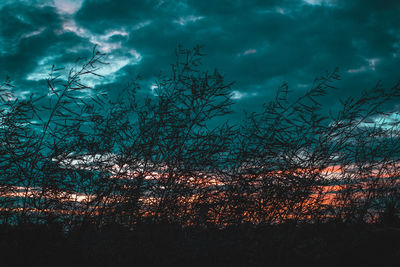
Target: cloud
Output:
[(68, 6), (185, 20), (257, 43)]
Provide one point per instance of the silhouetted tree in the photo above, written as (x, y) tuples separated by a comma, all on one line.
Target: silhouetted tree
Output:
[(74, 157)]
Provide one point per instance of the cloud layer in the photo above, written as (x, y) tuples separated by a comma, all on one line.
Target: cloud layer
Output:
[(258, 44)]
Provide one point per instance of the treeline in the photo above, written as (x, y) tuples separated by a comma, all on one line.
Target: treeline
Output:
[(75, 157)]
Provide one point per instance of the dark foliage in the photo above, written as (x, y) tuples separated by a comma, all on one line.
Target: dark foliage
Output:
[(156, 180)]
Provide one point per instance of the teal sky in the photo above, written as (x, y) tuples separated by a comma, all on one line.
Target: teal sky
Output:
[(257, 44)]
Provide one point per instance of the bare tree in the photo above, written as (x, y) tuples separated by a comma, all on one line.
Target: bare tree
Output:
[(75, 157)]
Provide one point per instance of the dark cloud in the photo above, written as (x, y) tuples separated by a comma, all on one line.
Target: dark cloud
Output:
[(258, 44), (24, 35), (99, 15)]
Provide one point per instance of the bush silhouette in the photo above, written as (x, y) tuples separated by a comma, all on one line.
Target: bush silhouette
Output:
[(76, 160), (72, 159)]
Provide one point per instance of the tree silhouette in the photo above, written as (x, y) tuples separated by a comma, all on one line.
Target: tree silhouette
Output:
[(156, 181), (74, 157)]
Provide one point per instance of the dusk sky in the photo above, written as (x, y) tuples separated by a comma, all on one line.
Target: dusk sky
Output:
[(257, 44)]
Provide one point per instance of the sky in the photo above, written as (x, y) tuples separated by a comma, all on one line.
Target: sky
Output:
[(258, 44)]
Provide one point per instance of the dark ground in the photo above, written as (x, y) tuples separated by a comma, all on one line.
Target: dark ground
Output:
[(329, 244)]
